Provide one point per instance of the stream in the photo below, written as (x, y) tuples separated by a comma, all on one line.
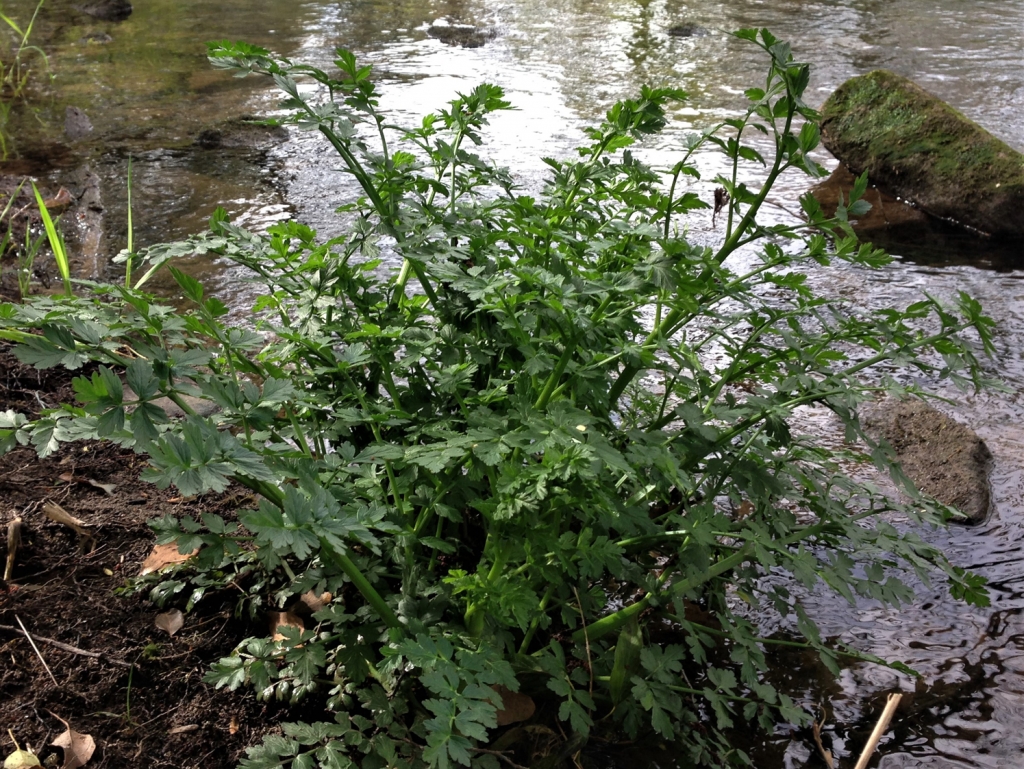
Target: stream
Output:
[(147, 88)]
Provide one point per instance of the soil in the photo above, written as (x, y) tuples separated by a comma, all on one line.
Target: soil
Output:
[(136, 690)]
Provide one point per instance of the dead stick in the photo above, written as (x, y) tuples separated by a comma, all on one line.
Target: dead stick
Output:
[(880, 727), (36, 650), (13, 542), (69, 648)]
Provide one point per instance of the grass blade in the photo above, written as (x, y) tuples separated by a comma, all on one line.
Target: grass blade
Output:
[(56, 242)]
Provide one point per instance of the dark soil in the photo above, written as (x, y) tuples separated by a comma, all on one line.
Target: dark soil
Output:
[(138, 692)]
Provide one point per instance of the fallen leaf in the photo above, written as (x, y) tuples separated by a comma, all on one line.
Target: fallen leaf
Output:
[(313, 603), (78, 748), (72, 478), (164, 555), (515, 706), (170, 621), (56, 513), (183, 729), (21, 759), (279, 619), (233, 726), (107, 487)]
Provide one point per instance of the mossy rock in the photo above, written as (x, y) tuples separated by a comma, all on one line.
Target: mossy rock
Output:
[(921, 149)]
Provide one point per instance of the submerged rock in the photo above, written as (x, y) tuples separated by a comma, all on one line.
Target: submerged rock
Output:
[(944, 458), (463, 35), (76, 124), (108, 10), (921, 149), (241, 133), (687, 30)]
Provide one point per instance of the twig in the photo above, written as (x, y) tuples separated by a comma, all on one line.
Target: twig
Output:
[(67, 647), (816, 732), (880, 727), (583, 619), (13, 541), (36, 650), (501, 756)]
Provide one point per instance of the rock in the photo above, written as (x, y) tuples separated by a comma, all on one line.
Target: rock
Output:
[(108, 10), (241, 133), (943, 457), (84, 224), (886, 210), (463, 35), (687, 30), (76, 124), (922, 150), (96, 38)]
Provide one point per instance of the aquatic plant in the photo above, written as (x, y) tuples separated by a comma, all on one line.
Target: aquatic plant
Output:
[(15, 70), (548, 460)]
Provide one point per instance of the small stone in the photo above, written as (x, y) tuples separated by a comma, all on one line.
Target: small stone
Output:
[(944, 458), (76, 124)]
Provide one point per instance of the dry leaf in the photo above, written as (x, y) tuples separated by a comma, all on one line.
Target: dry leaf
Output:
[(107, 487), (78, 748), (72, 478), (233, 726), (87, 541), (57, 513), (312, 603), (170, 621), (183, 729), (164, 555), (21, 759), (515, 706), (279, 619)]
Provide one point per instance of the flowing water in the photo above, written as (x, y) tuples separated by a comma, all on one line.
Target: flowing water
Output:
[(145, 85)]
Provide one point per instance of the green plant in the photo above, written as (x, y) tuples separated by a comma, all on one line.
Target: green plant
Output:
[(532, 454), (14, 72), (8, 238), (56, 241)]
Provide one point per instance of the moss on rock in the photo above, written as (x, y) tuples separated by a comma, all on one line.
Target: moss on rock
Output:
[(921, 149)]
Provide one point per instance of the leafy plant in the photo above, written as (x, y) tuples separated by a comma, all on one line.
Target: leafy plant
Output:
[(536, 442), (22, 254)]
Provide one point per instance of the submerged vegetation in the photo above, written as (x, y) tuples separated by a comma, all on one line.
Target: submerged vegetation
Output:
[(18, 59), (549, 456)]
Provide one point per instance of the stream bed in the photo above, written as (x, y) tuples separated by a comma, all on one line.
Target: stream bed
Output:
[(150, 94)]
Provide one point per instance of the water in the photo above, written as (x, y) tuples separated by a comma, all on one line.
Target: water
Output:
[(563, 63)]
